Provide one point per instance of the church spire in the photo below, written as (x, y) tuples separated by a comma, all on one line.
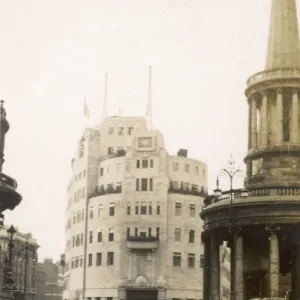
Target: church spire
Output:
[(283, 44)]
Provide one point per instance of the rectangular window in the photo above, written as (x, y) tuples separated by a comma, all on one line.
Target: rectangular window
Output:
[(81, 239), (177, 209), (99, 236), (187, 168), (136, 231), (151, 163), (128, 209), (186, 186), (151, 184), (145, 163), (144, 184), (100, 207), (120, 131), (91, 213), (110, 235), (158, 208), (195, 187), (90, 261), (157, 232), (174, 185), (99, 259), (177, 234), (112, 210), (143, 208), (191, 260), (175, 166), (110, 130), (137, 208), (192, 210), (130, 130), (101, 171), (138, 164), (149, 231), (197, 170), (81, 261), (176, 259), (91, 237), (150, 208), (201, 261), (128, 231), (110, 150), (143, 234), (110, 258), (137, 184), (192, 236)]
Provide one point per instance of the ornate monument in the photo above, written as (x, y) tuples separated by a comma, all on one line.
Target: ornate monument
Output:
[(262, 229)]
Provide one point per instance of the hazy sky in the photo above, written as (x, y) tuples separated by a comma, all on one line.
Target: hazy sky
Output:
[(55, 52)]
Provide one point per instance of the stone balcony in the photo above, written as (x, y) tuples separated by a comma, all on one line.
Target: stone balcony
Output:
[(139, 243)]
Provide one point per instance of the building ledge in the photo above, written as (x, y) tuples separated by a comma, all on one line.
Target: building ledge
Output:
[(142, 243)]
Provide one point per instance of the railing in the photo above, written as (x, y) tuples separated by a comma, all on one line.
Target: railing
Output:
[(187, 191), (258, 192), (142, 239), (8, 181), (100, 191), (119, 153), (272, 74)]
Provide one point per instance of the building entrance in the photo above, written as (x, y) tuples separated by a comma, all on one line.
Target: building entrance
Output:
[(142, 295)]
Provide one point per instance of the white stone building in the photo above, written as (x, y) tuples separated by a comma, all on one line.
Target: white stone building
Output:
[(133, 214)]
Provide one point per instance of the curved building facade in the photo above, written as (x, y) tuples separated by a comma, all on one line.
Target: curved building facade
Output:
[(132, 227)]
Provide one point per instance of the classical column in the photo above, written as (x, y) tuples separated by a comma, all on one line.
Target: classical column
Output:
[(232, 270), (264, 120), (206, 266), (295, 118), (296, 291), (215, 267), (273, 261), (279, 113), (239, 266), (253, 122)]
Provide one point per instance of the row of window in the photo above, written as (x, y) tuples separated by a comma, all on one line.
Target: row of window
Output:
[(78, 217), (111, 210), (79, 195), (109, 168), (144, 163), (177, 235), (77, 240), (143, 208), (144, 184), (80, 175), (120, 130), (187, 168), (191, 261), (185, 186)]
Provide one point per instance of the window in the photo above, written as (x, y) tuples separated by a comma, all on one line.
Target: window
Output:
[(111, 209), (192, 210), (197, 170), (110, 150), (90, 261), (110, 235), (101, 171), (136, 231), (130, 129), (145, 163), (174, 185), (91, 237), (128, 209), (138, 164), (150, 208), (192, 236), (177, 209), (110, 130), (100, 207), (175, 166), (195, 187), (137, 208), (108, 168), (158, 208), (143, 232), (120, 131), (187, 168), (81, 261), (143, 208), (99, 238), (177, 235), (99, 259), (151, 184), (186, 186), (201, 261), (149, 231), (137, 184), (81, 239), (157, 232), (128, 231), (151, 163), (91, 212), (144, 184), (176, 259), (191, 260), (82, 215), (110, 258)]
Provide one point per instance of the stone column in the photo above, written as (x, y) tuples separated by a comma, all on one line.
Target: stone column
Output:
[(279, 113), (273, 261), (239, 266), (253, 122), (215, 267), (206, 267), (232, 270), (264, 121), (296, 287), (295, 118)]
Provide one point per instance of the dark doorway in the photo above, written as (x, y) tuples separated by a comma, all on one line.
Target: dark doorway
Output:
[(142, 295)]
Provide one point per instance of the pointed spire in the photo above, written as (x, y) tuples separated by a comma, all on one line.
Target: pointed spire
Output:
[(104, 113), (149, 103), (283, 44)]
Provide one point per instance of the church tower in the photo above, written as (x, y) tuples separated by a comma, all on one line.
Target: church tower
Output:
[(261, 223)]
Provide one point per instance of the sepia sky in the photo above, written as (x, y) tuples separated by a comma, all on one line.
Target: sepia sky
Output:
[(55, 52)]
